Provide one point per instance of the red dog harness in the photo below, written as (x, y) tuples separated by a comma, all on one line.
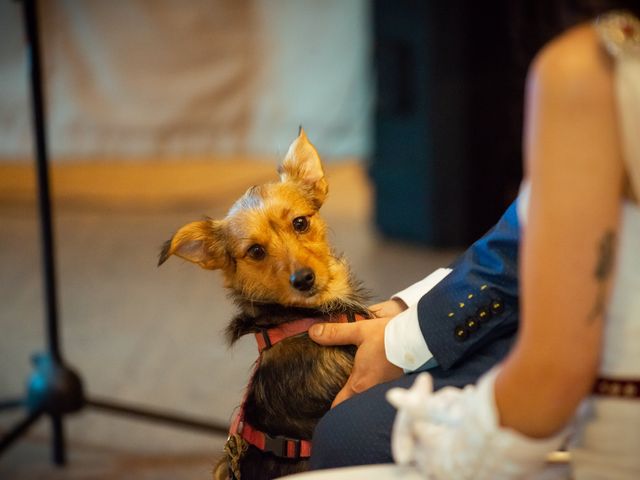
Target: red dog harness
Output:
[(281, 446)]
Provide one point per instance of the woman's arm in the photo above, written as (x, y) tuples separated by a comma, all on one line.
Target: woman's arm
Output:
[(574, 164)]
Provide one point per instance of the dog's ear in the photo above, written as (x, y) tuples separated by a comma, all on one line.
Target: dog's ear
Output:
[(199, 242), (302, 164)]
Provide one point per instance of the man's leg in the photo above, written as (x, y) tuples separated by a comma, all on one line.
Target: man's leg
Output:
[(358, 431)]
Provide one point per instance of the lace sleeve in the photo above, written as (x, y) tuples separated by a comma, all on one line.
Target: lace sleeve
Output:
[(620, 35), (455, 434)]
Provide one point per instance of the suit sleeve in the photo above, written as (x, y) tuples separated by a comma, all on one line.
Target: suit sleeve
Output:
[(478, 301)]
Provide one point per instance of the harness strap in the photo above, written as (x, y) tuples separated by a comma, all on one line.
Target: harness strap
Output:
[(268, 337), (279, 445)]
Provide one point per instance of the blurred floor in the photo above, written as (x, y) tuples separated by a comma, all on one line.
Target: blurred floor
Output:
[(142, 334)]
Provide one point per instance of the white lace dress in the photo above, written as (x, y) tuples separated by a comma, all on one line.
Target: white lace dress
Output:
[(609, 443)]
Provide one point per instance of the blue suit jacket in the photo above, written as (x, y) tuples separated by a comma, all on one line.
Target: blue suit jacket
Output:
[(469, 321), (471, 317)]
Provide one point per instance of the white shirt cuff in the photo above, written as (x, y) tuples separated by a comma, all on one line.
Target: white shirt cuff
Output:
[(404, 344), (411, 295)]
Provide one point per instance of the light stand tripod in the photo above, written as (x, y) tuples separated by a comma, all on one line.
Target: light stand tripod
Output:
[(54, 389)]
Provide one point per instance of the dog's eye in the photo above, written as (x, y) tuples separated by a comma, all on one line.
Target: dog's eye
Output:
[(300, 224), (256, 252)]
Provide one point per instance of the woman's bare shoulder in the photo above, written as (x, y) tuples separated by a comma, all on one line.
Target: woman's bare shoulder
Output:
[(574, 65), (570, 98)]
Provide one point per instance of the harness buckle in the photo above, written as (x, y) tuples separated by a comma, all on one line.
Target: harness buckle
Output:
[(266, 338), (279, 446)]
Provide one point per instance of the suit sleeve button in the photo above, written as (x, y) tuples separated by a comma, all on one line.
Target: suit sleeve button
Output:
[(461, 333), (497, 306), (483, 314), (472, 324)]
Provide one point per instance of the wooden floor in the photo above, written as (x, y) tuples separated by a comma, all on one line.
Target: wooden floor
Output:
[(142, 334)]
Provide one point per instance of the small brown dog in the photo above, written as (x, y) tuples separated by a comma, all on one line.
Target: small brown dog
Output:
[(281, 272)]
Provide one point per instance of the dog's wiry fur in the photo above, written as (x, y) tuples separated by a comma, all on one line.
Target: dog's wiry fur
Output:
[(296, 380)]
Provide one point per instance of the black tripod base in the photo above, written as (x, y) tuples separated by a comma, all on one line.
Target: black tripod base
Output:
[(55, 390), (18, 430)]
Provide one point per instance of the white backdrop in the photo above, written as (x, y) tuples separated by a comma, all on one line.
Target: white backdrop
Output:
[(192, 77)]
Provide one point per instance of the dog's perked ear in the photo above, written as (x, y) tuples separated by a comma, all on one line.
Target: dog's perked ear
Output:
[(199, 242), (302, 164)]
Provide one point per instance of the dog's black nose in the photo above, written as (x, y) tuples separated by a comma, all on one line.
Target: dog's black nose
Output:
[(302, 279)]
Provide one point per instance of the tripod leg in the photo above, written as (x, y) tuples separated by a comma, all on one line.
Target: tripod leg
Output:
[(158, 416), (58, 443), (11, 403), (20, 428)]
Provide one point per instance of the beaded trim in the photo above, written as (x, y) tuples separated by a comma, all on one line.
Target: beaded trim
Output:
[(620, 33), (612, 387)]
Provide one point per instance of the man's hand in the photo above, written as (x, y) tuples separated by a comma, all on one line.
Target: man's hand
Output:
[(390, 308), (370, 366)]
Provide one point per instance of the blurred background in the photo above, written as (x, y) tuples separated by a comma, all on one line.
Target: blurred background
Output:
[(161, 111)]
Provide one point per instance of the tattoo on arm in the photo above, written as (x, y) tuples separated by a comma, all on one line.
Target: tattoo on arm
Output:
[(602, 272)]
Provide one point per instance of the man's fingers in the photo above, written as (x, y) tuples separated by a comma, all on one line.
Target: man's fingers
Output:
[(355, 384), (346, 393), (336, 333), (377, 309), (390, 308), (341, 397)]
